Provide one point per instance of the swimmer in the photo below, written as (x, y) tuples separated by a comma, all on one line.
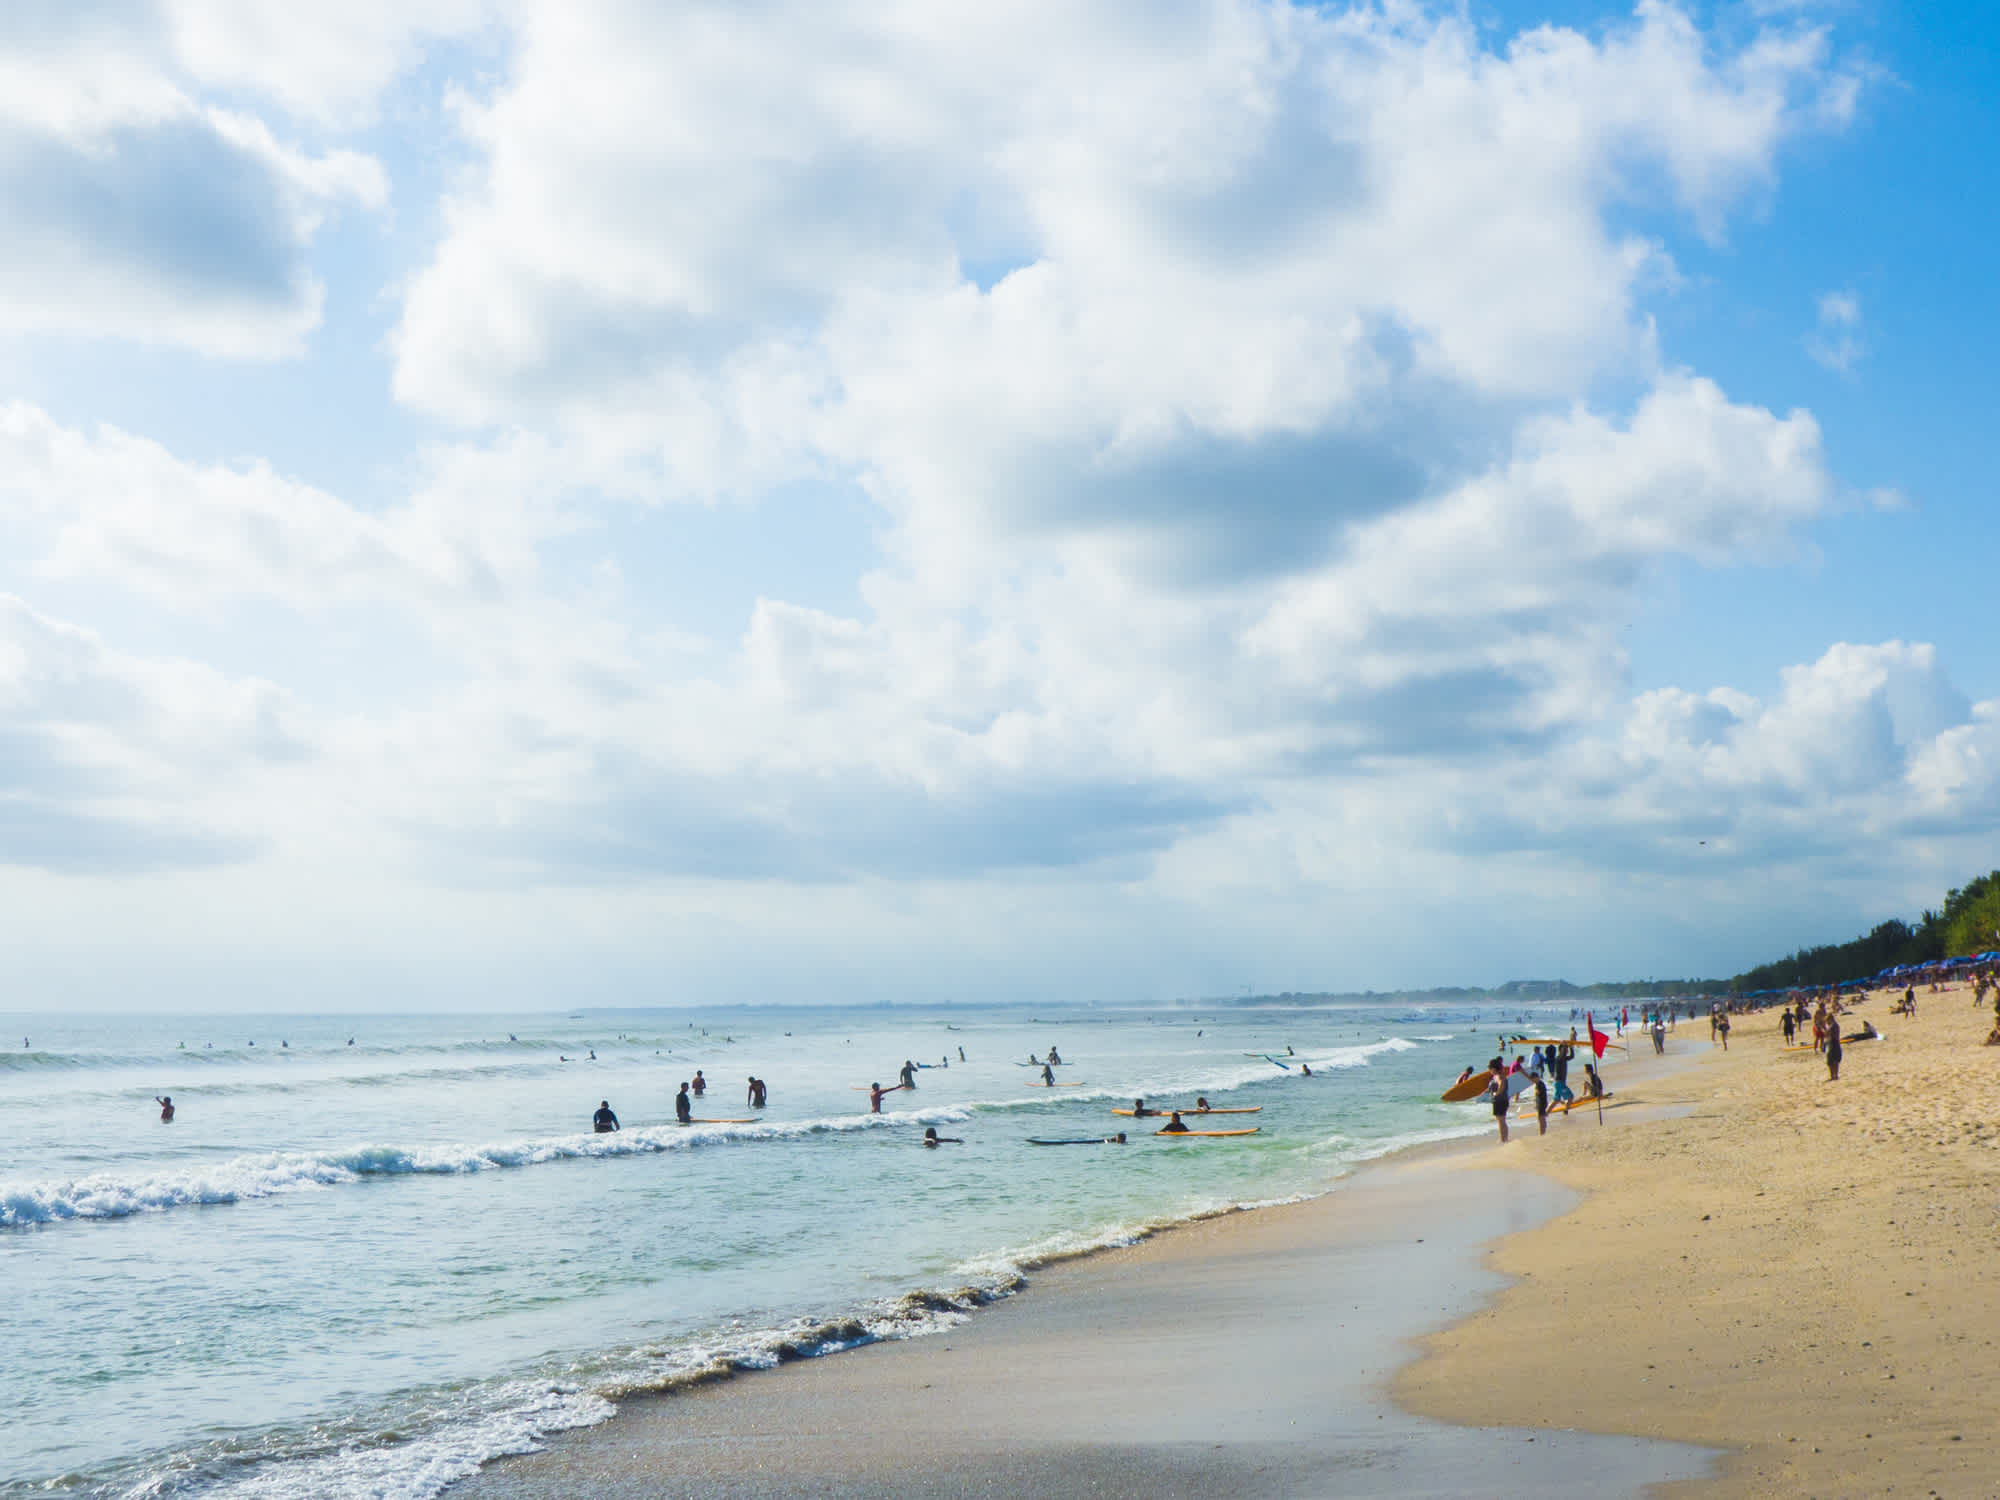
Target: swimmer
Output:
[(1201, 1104), (604, 1122), (1055, 1057), (1305, 1070), (1174, 1126), (700, 1084), (166, 1103), (933, 1139)]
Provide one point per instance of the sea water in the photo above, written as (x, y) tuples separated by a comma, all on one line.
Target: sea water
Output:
[(371, 1253)]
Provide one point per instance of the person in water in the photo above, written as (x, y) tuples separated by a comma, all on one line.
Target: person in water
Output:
[(700, 1084), (908, 1074), (875, 1093), (166, 1103), (1305, 1070), (1139, 1109), (683, 1110), (961, 1054), (933, 1139), (1174, 1125), (604, 1122), (1201, 1104), (1055, 1057), (1048, 1075)]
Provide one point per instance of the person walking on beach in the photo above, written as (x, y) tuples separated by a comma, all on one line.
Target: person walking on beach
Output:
[(166, 1103), (1659, 1035), (1541, 1106), (1791, 1027), (1055, 1057), (1833, 1052), (1497, 1091), (1722, 1028), (604, 1122), (683, 1110)]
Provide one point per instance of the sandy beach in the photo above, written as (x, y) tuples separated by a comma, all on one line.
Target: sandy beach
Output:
[(1787, 1273), (1797, 1270)]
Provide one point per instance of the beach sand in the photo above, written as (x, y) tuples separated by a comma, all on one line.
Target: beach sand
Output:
[(1243, 1355), (1802, 1271), (1745, 1257)]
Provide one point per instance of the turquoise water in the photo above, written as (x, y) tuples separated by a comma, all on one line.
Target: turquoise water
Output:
[(372, 1252)]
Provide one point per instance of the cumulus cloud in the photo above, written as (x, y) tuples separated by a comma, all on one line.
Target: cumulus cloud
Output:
[(110, 763), (137, 211)]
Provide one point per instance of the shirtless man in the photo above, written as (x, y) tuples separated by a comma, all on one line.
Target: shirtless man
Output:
[(166, 1103)]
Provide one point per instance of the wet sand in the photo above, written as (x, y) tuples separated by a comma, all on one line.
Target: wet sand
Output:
[(1250, 1354), (1805, 1272)]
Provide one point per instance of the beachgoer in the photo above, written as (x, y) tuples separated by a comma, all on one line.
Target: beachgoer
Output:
[(1305, 1070), (1174, 1125), (908, 1073), (1722, 1026), (1909, 1000), (875, 1092), (700, 1084), (1469, 1071), (1833, 1054), (1790, 1026), (1055, 1057), (604, 1122), (683, 1110), (961, 1054), (166, 1103), (1201, 1104), (1593, 1085), (932, 1138), (1659, 1035), (1048, 1075), (1541, 1106), (1497, 1090)]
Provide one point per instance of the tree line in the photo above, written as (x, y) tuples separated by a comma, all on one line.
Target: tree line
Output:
[(1969, 922)]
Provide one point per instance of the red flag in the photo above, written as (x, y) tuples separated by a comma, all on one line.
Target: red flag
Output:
[(1598, 1040)]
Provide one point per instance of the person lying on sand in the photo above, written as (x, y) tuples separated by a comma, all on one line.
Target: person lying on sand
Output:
[(1867, 1033)]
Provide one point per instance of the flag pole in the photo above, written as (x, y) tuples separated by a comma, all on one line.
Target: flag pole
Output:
[(1597, 1060)]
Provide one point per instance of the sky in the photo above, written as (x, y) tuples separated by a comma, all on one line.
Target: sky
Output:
[(514, 505)]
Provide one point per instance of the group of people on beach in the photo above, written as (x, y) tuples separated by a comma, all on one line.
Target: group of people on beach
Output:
[(1546, 1071)]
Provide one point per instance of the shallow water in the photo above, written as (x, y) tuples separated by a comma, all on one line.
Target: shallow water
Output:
[(364, 1267)]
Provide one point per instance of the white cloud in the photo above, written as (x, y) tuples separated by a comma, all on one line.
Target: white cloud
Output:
[(137, 211), (1836, 342)]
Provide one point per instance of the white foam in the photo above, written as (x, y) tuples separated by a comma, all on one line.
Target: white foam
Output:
[(109, 1196)]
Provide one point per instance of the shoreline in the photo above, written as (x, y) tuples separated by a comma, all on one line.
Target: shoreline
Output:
[(1792, 1269), (1031, 1399)]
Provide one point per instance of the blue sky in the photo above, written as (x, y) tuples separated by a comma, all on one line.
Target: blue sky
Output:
[(528, 504)]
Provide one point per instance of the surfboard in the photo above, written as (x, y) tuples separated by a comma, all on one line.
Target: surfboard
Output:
[(1270, 1059), (1246, 1109), (1175, 1134), (1038, 1084), (1036, 1065), (1469, 1088), (1580, 1102), (887, 1088), (718, 1122), (1085, 1140)]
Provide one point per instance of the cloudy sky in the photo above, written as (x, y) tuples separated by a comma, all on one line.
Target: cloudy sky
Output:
[(612, 502)]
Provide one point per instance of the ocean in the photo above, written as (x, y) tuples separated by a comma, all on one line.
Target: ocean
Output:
[(373, 1252)]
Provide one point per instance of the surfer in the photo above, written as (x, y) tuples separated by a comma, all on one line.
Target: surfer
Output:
[(1201, 1104), (604, 1122), (683, 1108), (908, 1074), (961, 1054), (875, 1093), (1048, 1075), (700, 1084), (1305, 1070), (1174, 1125), (1497, 1090), (934, 1140), (755, 1097), (166, 1103), (1055, 1057)]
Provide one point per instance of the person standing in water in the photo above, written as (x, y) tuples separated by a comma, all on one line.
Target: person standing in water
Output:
[(683, 1110), (604, 1122), (875, 1093), (1174, 1125), (700, 1084), (908, 1073), (166, 1103), (961, 1054), (1048, 1075)]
